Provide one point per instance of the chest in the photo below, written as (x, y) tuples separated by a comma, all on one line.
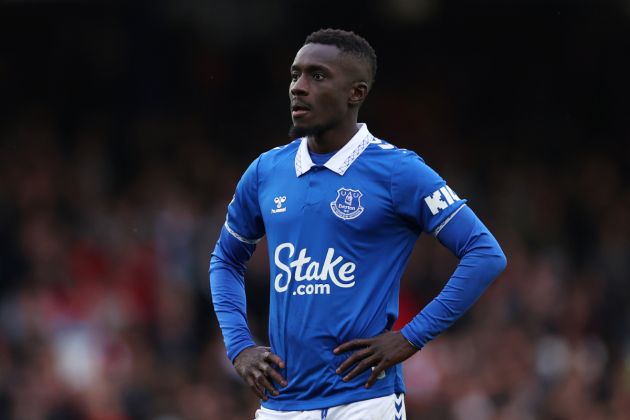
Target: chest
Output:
[(322, 201)]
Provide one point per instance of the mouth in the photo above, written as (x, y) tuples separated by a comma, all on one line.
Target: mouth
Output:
[(298, 110)]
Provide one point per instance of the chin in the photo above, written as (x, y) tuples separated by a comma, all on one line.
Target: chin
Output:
[(298, 130)]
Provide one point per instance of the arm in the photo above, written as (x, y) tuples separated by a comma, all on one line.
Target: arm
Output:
[(242, 230), (481, 261), (227, 270)]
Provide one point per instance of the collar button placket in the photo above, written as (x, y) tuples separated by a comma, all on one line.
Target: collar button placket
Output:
[(314, 192)]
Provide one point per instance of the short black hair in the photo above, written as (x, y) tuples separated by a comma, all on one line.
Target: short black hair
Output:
[(348, 42)]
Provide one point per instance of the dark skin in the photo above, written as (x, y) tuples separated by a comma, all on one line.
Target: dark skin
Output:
[(380, 353), (332, 85), (255, 365), (327, 89)]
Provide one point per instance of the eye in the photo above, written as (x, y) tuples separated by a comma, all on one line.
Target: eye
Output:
[(319, 76), (294, 76)]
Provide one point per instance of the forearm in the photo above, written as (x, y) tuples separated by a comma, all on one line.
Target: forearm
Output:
[(227, 268), (482, 260)]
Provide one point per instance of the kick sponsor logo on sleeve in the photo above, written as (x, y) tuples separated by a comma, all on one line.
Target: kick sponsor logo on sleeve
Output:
[(440, 199)]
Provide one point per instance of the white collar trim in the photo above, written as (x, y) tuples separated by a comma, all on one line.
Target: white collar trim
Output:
[(340, 161)]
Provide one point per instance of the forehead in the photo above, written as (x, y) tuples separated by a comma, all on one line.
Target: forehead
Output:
[(319, 55)]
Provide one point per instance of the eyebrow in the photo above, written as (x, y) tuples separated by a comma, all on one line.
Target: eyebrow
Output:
[(311, 67)]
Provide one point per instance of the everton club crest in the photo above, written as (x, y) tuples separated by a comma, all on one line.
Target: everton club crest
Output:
[(347, 205)]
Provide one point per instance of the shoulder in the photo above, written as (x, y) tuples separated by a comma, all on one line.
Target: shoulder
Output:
[(399, 159), (409, 173), (269, 159), (282, 150)]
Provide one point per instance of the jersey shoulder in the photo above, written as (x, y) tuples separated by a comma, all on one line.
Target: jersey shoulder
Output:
[(281, 155), (382, 149), (285, 148), (404, 165)]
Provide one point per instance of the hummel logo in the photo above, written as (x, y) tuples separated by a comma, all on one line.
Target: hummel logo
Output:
[(398, 404), (279, 202)]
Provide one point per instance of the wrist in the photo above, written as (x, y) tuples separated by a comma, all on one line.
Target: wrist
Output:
[(409, 340), (411, 344), (240, 352)]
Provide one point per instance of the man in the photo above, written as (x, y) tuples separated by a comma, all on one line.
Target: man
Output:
[(341, 210)]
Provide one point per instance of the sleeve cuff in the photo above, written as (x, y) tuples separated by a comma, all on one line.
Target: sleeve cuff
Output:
[(410, 337)]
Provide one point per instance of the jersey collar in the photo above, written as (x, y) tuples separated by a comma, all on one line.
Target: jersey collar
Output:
[(341, 161)]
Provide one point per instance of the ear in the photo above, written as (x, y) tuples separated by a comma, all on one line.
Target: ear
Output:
[(358, 92)]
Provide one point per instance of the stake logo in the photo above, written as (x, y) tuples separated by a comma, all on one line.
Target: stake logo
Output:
[(316, 274)]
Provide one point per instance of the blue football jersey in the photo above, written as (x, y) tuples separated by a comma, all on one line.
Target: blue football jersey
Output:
[(339, 237)]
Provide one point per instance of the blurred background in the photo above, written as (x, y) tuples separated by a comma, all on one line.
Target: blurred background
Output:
[(124, 127)]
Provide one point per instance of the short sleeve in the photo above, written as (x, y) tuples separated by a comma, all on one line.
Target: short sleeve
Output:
[(421, 196), (244, 219)]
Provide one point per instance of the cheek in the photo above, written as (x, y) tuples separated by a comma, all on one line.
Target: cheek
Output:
[(334, 104)]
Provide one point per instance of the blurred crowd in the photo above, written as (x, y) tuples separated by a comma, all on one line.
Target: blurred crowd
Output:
[(108, 214), (105, 309)]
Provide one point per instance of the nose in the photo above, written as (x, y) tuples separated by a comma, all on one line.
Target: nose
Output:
[(299, 87)]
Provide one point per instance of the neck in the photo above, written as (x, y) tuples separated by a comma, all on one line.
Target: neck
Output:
[(333, 139)]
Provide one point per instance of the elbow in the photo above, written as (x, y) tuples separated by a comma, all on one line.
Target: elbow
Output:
[(492, 256), (503, 264), (497, 259), (494, 260), (500, 261)]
